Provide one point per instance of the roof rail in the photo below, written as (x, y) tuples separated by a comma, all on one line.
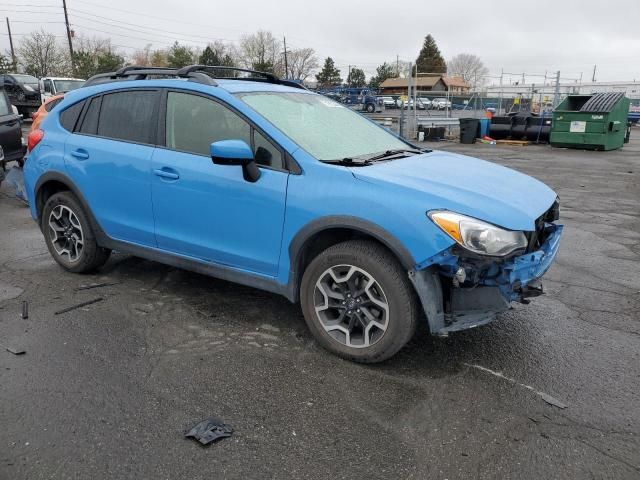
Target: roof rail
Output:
[(266, 77), (194, 73)]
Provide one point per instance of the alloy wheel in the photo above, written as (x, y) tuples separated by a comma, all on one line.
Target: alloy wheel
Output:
[(351, 306), (66, 233)]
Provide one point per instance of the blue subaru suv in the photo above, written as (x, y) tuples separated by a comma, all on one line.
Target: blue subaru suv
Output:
[(259, 181)]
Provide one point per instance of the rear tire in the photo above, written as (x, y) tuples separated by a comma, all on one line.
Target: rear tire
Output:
[(69, 236), (370, 313)]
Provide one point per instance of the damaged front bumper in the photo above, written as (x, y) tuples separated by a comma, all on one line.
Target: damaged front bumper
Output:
[(460, 291)]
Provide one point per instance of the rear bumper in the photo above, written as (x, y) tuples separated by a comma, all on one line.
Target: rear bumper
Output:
[(451, 305)]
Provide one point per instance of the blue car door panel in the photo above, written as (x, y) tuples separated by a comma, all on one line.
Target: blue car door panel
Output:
[(210, 212)]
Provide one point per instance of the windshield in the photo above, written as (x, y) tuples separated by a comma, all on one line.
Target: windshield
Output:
[(28, 79), (324, 128), (67, 85)]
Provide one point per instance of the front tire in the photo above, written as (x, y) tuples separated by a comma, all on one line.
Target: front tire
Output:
[(69, 236), (358, 302)]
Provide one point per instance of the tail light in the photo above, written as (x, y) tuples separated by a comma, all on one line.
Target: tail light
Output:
[(34, 139)]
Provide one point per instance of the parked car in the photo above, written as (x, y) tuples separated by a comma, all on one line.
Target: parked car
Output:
[(440, 104), (23, 91), (421, 104), (267, 184), (388, 102), (52, 86), (44, 109), (11, 143)]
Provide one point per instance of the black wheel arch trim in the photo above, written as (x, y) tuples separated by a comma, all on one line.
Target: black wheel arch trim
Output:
[(296, 247), (65, 180)]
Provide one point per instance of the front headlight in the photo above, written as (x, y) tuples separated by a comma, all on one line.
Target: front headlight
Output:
[(478, 236), (29, 88)]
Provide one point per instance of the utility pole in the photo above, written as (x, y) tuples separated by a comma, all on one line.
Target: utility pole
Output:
[(593, 79), (349, 77), (397, 65), (13, 53), (556, 93), (500, 102), (286, 62), (66, 21)]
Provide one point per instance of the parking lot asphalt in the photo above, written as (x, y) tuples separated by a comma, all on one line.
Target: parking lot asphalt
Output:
[(106, 391)]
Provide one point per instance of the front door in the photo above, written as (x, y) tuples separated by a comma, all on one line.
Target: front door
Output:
[(209, 212)]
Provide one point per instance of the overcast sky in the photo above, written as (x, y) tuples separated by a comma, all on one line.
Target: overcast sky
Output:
[(530, 37)]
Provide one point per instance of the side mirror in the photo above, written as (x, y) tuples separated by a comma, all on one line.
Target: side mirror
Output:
[(236, 152)]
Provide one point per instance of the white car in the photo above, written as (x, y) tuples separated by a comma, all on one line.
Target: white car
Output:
[(421, 104), (388, 102), (50, 86), (440, 104)]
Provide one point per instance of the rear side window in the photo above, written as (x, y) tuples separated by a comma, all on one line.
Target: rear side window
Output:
[(90, 121), (69, 117), (129, 116)]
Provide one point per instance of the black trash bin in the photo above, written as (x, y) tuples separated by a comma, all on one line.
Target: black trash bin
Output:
[(469, 129)]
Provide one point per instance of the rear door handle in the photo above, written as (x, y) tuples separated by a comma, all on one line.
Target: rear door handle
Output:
[(80, 154), (167, 173)]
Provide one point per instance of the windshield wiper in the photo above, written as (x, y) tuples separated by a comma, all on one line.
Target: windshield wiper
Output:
[(349, 162), (391, 153)]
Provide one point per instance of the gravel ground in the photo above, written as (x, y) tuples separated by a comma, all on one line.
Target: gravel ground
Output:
[(106, 391)]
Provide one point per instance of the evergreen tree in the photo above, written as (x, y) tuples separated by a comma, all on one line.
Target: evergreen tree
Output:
[(356, 78), (329, 76), (179, 56), (430, 60), (383, 72)]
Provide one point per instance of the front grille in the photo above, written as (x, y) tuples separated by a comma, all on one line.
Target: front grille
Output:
[(538, 237)]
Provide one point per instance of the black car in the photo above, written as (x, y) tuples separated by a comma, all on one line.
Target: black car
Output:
[(23, 91), (10, 134)]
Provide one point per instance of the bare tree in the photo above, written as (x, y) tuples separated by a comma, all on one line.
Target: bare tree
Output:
[(401, 68), (41, 56), (302, 62), (142, 56), (262, 51), (470, 68)]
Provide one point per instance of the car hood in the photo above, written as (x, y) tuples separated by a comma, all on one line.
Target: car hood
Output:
[(466, 185)]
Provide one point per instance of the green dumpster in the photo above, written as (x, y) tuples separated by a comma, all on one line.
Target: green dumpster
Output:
[(595, 122)]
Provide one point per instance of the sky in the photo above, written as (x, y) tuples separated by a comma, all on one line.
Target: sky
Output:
[(533, 38)]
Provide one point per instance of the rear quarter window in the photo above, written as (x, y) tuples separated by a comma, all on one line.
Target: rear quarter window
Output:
[(69, 117)]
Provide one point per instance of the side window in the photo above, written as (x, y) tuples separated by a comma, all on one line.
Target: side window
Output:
[(129, 116), (90, 121), (266, 154), (69, 117), (194, 122)]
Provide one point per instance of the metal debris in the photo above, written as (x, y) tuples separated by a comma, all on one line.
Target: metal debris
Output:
[(15, 351), (209, 430), (25, 310), (79, 305), (96, 285)]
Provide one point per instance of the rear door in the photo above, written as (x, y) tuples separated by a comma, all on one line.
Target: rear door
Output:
[(10, 131), (109, 159), (208, 211)]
